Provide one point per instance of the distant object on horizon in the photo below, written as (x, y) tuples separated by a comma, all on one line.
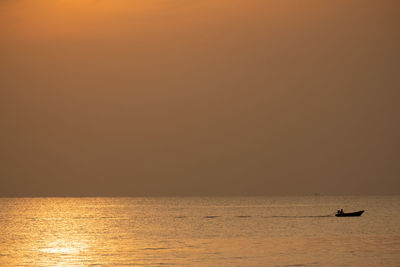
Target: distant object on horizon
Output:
[(340, 213)]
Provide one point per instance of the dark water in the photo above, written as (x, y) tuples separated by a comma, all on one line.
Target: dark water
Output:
[(259, 231)]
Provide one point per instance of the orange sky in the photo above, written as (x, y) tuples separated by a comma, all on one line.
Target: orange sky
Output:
[(173, 97)]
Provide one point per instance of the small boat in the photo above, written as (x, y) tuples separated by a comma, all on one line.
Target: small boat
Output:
[(349, 214)]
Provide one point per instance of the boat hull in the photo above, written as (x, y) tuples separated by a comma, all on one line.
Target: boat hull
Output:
[(350, 214)]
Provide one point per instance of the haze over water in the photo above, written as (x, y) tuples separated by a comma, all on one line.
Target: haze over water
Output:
[(251, 231), (171, 99), (199, 97)]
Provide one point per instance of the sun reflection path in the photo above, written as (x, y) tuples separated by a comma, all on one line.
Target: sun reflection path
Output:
[(64, 247)]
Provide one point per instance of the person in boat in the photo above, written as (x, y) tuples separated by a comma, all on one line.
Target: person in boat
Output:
[(341, 211)]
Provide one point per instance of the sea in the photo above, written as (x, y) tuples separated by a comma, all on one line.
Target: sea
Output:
[(200, 231)]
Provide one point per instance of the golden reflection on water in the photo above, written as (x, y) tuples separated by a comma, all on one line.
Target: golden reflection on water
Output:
[(54, 233), (64, 247), (192, 231)]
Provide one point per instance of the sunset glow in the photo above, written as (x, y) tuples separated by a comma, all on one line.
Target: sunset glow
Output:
[(167, 97), (199, 133)]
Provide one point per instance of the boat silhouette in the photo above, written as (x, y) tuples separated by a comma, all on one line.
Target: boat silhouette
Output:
[(340, 213)]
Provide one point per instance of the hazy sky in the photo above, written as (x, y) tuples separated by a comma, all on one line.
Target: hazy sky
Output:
[(199, 97)]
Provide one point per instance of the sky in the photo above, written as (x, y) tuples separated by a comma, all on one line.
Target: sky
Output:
[(199, 97)]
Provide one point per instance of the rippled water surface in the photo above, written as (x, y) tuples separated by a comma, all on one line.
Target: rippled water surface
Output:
[(279, 231)]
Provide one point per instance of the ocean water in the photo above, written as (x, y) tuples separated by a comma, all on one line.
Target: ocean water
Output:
[(232, 231)]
